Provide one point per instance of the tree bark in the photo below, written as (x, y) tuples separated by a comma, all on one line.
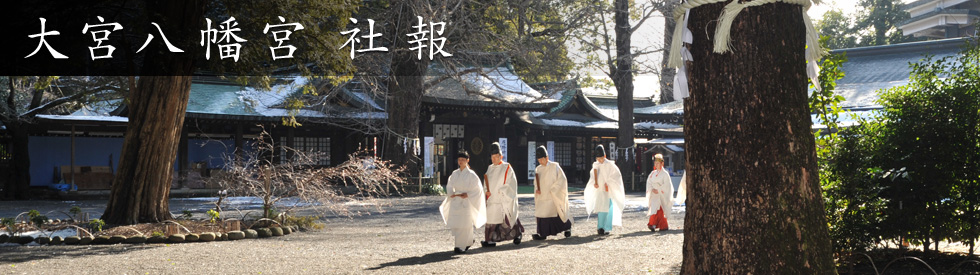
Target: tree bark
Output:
[(623, 79), (141, 189), (18, 185), (405, 90), (667, 73), (755, 206)]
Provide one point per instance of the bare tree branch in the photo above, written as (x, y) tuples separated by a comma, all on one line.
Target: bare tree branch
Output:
[(647, 13), (59, 101), (38, 94), (300, 176), (456, 74)]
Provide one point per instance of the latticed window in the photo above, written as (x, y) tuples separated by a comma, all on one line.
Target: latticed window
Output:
[(563, 152), (5, 154), (316, 145)]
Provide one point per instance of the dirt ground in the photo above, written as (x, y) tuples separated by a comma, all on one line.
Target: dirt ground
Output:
[(409, 237)]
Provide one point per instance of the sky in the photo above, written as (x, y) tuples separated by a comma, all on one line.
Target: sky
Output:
[(817, 11), (651, 33)]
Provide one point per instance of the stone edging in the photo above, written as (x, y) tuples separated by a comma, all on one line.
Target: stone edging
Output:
[(264, 232)]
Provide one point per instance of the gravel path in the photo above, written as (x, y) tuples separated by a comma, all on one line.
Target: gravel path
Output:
[(408, 238)]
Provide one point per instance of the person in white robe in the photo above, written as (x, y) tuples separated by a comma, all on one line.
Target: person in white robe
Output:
[(501, 183), (604, 193), (681, 198), (464, 208), (660, 191), (550, 197)]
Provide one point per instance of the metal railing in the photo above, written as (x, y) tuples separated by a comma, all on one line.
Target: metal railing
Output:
[(915, 261)]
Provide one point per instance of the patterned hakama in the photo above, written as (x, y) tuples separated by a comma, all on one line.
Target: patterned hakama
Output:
[(503, 232)]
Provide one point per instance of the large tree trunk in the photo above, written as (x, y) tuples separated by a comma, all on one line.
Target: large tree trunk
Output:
[(141, 189), (667, 73), (623, 79), (755, 206), (18, 185), (405, 89)]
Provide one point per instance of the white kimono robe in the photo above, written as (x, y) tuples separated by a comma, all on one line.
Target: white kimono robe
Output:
[(463, 215), (681, 191), (501, 182), (597, 199), (659, 180), (553, 200)]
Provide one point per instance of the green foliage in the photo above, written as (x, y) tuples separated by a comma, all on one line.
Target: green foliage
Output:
[(186, 214), (879, 21), (913, 170), (39, 220), (305, 222), (852, 187), (33, 213), (850, 198), (9, 224), (271, 212), (433, 189), (931, 128), (532, 33), (75, 210), (876, 23), (214, 215), (825, 103), (837, 29), (318, 42), (156, 234), (96, 224)]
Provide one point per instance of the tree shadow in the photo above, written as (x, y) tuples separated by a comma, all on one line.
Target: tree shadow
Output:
[(21, 254), (434, 257), (572, 240), (650, 233), (502, 247)]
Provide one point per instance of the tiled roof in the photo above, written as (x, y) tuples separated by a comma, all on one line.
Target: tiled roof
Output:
[(670, 108), (869, 69), (218, 99), (496, 87), (228, 101)]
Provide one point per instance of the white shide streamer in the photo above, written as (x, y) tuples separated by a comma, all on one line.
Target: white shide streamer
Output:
[(679, 54)]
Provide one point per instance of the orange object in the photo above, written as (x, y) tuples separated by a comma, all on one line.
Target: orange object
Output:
[(658, 220)]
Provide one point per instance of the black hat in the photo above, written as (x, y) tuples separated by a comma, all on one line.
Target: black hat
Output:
[(495, 149), (540, 152), (462, 154), (599, 151)]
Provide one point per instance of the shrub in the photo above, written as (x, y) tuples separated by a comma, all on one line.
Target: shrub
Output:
[(96, 224), (214, 215), (433, 189), (304, 222)]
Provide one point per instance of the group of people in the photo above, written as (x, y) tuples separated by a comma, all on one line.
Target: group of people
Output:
[(492, 203)]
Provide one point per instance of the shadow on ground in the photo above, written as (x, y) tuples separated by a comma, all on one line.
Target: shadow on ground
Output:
[(502, 247), (650, 233), (21, 254), (420, 260)]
